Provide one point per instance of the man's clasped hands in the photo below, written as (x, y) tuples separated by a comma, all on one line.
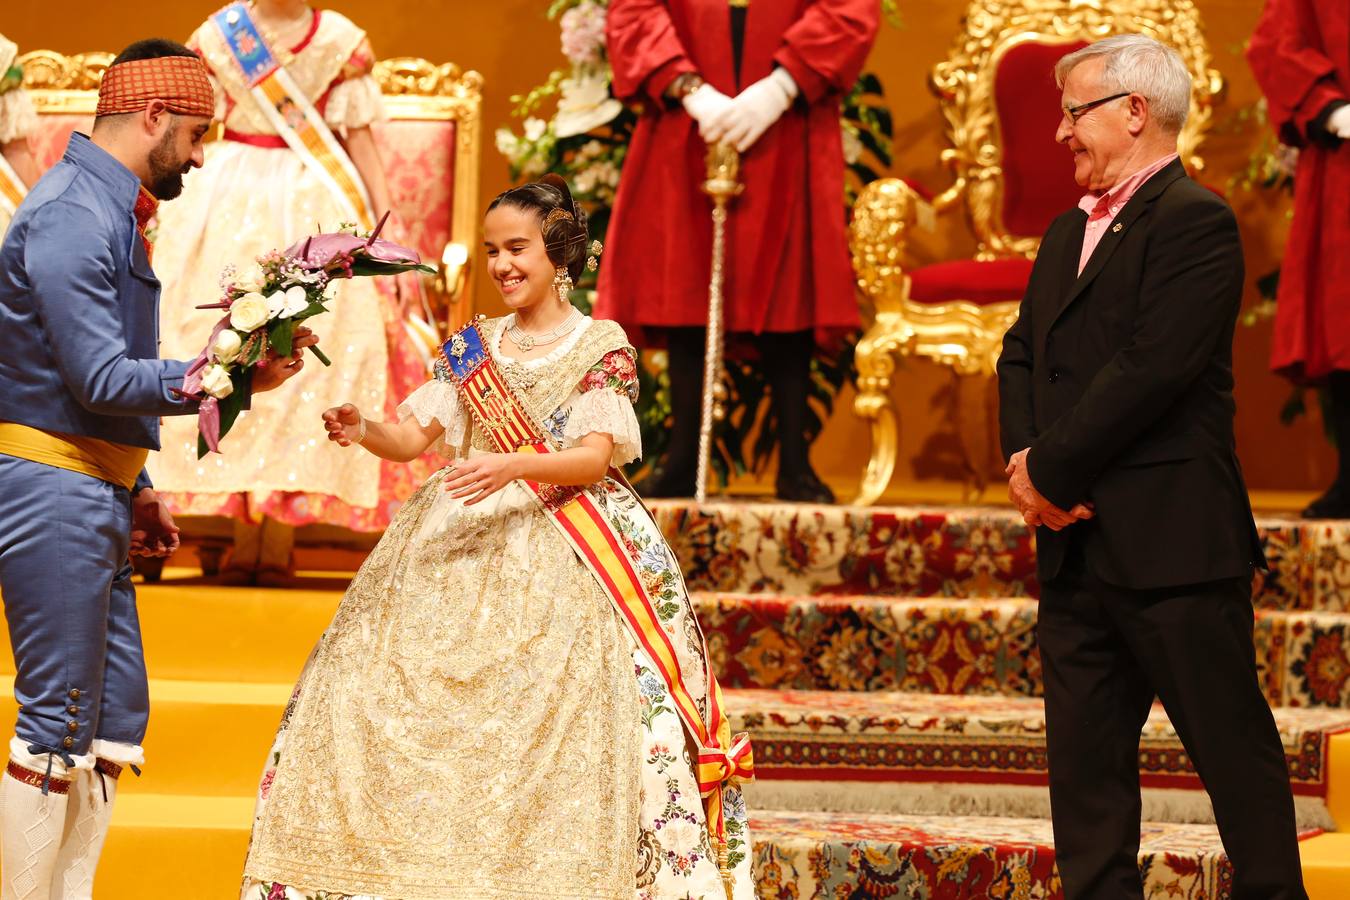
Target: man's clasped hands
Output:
[(1035, 508)]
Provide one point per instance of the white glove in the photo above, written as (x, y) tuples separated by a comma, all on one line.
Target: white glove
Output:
[(753, 111), (1338, 123), (704, 104)]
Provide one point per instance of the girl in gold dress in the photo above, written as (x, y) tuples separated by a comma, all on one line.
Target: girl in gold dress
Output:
[(479, 721)]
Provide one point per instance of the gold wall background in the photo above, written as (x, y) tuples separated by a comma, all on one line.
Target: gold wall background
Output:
[(514, 47)]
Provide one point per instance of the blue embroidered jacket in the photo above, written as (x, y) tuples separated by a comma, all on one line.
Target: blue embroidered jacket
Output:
[(79, 309)]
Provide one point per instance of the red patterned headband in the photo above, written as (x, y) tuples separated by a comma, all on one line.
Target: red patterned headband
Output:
[(180, 81)]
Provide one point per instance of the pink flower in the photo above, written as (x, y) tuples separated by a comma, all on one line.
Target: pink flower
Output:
[(323, 250), (266, 787), (594, 380), (278, 892), (620, 364), (583, 33)]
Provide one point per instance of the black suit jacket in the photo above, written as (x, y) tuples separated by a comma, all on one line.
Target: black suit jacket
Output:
[(1121, 382)]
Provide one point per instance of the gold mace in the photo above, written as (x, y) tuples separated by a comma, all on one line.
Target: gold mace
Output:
[(721, 185)]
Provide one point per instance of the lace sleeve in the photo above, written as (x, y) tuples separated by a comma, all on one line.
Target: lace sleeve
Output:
[(605, 405), (605, 412), (437, 401), (354, 103), (18, 118)]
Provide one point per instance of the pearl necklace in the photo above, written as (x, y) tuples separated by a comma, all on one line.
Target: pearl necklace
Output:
[(527, 342)]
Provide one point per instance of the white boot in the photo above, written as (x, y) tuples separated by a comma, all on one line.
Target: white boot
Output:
[(87, 818), (31, 820)]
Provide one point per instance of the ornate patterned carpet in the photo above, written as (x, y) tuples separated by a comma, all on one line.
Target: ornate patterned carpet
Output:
[(885, 662), (870, 856)]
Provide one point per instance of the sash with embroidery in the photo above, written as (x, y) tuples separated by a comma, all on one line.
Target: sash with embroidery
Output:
[(291, 113), (12, 190), (722, 758)]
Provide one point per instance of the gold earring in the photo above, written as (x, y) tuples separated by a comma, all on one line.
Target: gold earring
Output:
[(562, 283)]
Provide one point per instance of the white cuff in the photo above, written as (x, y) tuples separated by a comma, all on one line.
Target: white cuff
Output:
[(781, 77), (122, 754)]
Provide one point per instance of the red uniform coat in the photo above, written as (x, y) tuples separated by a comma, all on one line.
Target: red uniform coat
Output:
[(788, 266), (1300, 54)]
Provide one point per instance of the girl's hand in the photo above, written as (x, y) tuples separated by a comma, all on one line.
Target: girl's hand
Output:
[(343, 424), (481, 477)]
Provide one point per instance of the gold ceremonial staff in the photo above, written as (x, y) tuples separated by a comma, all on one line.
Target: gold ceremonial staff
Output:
[(722, 185)]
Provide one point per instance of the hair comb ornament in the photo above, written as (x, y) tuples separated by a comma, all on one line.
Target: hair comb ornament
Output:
[(557, 215)]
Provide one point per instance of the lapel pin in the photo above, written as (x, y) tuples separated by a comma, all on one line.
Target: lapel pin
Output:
[(1116, 227)]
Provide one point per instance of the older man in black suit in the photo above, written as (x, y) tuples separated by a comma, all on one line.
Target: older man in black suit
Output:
[(1117, 419)]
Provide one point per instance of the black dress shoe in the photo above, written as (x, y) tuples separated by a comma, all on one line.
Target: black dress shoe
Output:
[(804, 487), (1334, 504)]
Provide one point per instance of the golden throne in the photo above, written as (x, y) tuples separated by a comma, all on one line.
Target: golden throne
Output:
[(430, 147), (998, 96)]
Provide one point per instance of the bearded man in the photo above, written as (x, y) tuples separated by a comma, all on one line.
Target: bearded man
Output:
[(81, 393)]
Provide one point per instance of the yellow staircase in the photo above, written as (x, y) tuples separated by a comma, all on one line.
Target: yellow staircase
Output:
[(222, 664)]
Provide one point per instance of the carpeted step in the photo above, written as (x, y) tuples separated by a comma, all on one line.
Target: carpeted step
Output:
[(863, 855), (800, 549), (902, 752), (195, 847), (955, 646)]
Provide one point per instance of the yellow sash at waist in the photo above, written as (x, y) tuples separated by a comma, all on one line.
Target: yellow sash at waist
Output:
[(104, 460)]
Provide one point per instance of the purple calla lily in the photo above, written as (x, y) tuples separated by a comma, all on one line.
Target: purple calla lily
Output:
[(322, 250)]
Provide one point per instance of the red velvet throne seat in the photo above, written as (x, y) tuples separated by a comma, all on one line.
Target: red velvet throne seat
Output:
[(998, 96)]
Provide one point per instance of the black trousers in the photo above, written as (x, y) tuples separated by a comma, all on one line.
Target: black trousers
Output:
[(1106, 652)]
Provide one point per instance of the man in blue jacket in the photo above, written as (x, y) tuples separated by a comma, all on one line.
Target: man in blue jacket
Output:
[(81, 393)]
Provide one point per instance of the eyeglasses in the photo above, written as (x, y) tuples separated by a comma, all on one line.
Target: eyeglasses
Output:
[(1077, 112)]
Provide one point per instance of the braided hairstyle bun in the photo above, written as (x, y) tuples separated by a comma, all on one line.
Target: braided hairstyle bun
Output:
[(561, 219)]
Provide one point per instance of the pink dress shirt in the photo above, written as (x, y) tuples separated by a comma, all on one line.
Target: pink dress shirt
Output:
[(1103, 208)]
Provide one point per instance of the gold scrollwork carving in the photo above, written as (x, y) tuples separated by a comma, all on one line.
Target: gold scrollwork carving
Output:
[(964, 335)]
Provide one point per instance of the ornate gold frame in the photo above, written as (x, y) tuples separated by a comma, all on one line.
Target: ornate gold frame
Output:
[(414, 89), (961, 334)]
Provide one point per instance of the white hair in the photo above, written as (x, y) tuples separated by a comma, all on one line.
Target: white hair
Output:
[(1141, 65)]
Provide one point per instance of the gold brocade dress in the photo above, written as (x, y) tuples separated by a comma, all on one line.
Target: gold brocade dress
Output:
[(476, 721), (249, 198)]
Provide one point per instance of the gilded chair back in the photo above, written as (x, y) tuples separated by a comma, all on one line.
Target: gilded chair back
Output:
[(998, 96), (1001, 105), (430, 148)]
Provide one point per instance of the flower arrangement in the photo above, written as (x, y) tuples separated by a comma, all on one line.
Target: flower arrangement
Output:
[(586, 141), (263, 307)]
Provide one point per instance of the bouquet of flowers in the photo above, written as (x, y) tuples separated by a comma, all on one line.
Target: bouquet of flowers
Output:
[(263, 308)]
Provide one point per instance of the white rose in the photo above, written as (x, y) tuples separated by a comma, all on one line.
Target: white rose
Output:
[(249, 312), (252, 282), (534, 129), (216, 382), (297, 301), (226, 346)]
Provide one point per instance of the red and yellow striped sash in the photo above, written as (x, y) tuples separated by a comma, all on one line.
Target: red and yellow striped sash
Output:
[(722, 759)]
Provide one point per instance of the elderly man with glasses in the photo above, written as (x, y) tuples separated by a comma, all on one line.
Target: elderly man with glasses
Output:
[(1116, 387)]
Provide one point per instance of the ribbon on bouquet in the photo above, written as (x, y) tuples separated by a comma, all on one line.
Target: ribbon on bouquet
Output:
[(208, 410), (722, 759)]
